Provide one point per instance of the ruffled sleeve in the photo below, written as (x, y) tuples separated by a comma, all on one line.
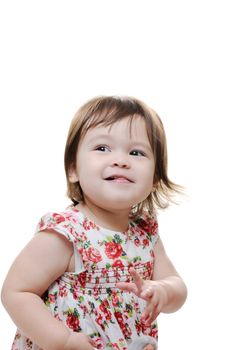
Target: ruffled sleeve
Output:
[(68, 225), (154, 229), (63, 223), (150, 226)]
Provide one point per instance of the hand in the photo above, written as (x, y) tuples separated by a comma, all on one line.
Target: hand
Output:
[(79, 341), (154, 292)]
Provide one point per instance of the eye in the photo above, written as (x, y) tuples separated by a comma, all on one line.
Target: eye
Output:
[(137, 153), (102, 148)]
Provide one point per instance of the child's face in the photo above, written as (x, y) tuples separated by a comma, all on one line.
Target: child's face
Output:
[(115, 165)]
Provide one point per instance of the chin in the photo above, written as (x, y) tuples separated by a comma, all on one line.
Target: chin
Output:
[(117, 205)]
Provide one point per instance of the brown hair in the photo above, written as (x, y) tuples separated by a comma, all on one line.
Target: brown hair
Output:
[(106, 110)]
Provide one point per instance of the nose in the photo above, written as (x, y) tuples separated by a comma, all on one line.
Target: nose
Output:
[(120, 165), (120, 161)]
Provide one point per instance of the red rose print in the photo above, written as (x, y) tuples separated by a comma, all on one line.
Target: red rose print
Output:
[(62, 291), (127, 331), (52, 298), (119, 318), (115, 300), (95, 292), (149, 225), (118, 263), (154, 333), (145, 242), (93, 255), (58, 218), (152, 254), (82, 279), (86, 225), (71, 230), (73, 322), (154, 227), (149, 269), (99, 343), (113, 250), (124, 326), (104, 307), (99, 320)]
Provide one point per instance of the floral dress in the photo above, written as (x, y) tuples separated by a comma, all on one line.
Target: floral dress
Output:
[(87, 300)]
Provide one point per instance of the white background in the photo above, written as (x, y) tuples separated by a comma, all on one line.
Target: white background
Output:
[(177, 57)]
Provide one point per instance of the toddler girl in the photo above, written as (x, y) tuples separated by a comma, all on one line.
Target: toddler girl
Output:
[(96, 275)]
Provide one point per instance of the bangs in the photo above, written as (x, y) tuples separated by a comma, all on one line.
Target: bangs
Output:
[(108, 111)]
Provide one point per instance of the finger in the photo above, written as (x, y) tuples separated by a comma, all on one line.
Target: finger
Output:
[(147, 293), (127, 287), (154, 314), (151, 312), (146, 313), (149, 318), (137, 278), (151, 307)]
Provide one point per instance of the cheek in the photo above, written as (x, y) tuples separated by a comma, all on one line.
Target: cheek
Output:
[(149, 179), (82, 165), (85, 175), (89, 173)]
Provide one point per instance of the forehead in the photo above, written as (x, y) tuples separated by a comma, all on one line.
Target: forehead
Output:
[(128, 127)]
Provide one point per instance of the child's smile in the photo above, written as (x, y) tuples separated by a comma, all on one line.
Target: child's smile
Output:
[(118, 179)]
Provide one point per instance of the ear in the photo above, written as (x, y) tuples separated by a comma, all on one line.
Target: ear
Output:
[(73, 176)]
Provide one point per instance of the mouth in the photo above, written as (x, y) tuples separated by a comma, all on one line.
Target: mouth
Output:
[(119, 179)]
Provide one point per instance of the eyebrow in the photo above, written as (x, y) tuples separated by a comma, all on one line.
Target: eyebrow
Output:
[(96, 138), (142, 144)]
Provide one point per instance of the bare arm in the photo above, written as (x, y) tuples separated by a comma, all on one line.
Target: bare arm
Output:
[(166, 275), (41, 262)]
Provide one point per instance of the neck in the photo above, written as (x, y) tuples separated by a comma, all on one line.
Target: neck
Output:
[(112, 220)]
